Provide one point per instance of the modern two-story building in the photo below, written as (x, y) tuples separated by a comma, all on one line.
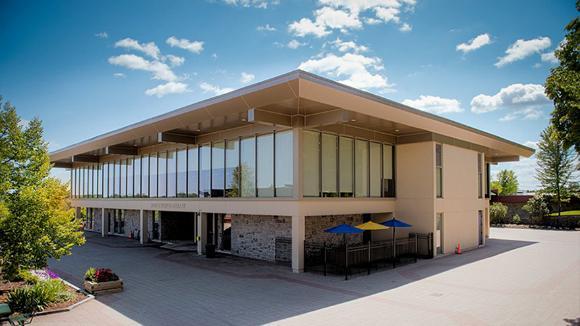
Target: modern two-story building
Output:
[(284, 159)]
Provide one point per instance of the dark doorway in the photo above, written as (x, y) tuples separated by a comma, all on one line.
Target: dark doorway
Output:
[(178, 226)]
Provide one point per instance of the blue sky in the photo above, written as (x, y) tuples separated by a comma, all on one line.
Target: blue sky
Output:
[(86, 68)]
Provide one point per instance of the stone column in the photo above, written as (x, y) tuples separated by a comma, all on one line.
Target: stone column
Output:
[(143, 228), (298, 232), (201, 232), (104, 223)]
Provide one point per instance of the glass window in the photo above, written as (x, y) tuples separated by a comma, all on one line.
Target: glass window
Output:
[(345, 156), (81, 182), (284, 164), (105, 180), (137, 176), (99, 192), (439, 170), (182, 173), (361, 168), (112, 179), (130, 180), (145, 182), (205, 171), (123, 178), (311, 164), (192, 172), (329, 165), (89, 173), (375, 172), (218, 169), (233, 168), (388, 171), (72, 183), (479, 175), (265, 165), (248, 166), (153, 175), (171, 174), (162, 174)]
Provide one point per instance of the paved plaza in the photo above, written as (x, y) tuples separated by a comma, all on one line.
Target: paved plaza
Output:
[(522, 277)]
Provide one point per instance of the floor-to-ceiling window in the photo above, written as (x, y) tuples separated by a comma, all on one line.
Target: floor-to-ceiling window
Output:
[(137, 177), (375, 169), (329, 165), (145, 182), (248, 166), (218, 169), (171, 174), (233, 168), (153, 175), (439, 170), (388, 171), (112, 179), (284, 164), (311, 157), (265, 165), (205, 171), (182, 173), (162, 174), (361, 168), (130, 178), (123, 178), (192, 172), (106, 180), (346, 166)]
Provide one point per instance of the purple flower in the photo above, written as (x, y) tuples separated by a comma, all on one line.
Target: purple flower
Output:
[(51, 274)]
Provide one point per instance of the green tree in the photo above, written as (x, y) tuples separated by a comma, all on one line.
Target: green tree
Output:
[(36, 220), (506, 183), (562, 86), (555, 165), (537, 208), (497, 213)]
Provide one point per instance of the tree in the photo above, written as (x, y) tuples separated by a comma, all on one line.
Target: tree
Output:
[(497, 213), (506, 183), (555, 165), (537, 208), (36, 220), (562, 86)]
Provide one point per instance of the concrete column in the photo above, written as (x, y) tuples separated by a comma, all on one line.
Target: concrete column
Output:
[(104, 223), (143, 228), (298, 231), (201, 232)]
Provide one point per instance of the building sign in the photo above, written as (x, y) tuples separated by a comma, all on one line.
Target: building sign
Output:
[(168, 206)]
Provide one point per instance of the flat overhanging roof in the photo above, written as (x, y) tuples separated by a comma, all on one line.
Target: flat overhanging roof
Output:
[(295, 99)]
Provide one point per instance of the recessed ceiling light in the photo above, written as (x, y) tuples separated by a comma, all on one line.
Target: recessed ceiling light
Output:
[(243, 119), (396, 130), (352, 120)]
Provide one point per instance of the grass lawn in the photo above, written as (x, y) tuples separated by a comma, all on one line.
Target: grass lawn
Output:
[(567, 213)]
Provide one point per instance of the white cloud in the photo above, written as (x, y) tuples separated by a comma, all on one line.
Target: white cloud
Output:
[(406, 28), (549, 57), (102, 35), (435, 104), (160, 70), (294, 44), (263, 4), (246, 77), (305, 26), (355, 70), (522, 49), (474, 44), (167, 88), (149, 49), (266, 28), (388, 14), (525, 100), (191, 46), (119, 75), (206, 87), (174, 60), (337, 19), (346, 46)]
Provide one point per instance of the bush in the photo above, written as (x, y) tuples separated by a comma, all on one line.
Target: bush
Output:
[(100, 275), (56, 290), (537, 208), (30, 299), (497, 213), (27, 277), (516, 219)]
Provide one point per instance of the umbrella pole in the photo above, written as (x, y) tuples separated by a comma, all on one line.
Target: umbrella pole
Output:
[(369, 262), (345, 258), (394, 246)]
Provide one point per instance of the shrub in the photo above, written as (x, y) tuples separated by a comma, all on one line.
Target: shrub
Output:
[(90, 274), (516, 219), (537, 208), (497, 213), (100, 275), (56, 290), (27, 277), (28, 299)]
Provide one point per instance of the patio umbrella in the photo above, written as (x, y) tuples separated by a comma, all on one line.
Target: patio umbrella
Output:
[(371, 226), (344, 229), (394, 223)]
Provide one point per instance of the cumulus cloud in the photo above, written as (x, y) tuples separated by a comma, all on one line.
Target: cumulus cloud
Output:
[(102, 35), (522, 49), (530, 113), (346, 46), (246, 77), (525, 101), (549, 57), (174, 60), (159, 70), (263, 4), (119, 75), (216, 90), (305, 26), (149, 49), (265, 28), (474, 44), (405, 27), (294, 44), (355, 70), (191, 46), (167, 88), (435, 104)]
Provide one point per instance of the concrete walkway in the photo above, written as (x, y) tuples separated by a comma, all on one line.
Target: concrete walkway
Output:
[(522, 277)]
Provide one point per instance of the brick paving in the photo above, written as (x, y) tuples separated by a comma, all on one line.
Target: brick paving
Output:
[(522, 277)]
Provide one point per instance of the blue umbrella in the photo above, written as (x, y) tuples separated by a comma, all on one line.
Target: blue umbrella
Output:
[(344, 229), (394, 223)]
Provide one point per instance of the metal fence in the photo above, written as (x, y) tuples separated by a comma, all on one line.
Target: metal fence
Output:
[(424, 245)]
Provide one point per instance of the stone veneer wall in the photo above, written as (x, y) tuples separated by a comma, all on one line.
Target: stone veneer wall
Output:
[(97, 219), (254, 236), (131, 222), (315, 226)]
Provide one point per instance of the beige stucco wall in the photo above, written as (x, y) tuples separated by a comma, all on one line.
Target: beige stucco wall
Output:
[(460, 202)]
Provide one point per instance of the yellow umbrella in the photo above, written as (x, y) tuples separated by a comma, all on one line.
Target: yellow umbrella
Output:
[(371, 226)]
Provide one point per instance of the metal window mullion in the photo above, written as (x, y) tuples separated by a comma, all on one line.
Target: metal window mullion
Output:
[(256, 165), (224, 173), (337, 163), (274, 163)]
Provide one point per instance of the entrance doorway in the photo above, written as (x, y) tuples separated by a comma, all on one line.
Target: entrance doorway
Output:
[(480, 226), (219, 231), (439, 233)]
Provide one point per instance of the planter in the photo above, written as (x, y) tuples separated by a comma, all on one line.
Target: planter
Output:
[(103, 287)]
